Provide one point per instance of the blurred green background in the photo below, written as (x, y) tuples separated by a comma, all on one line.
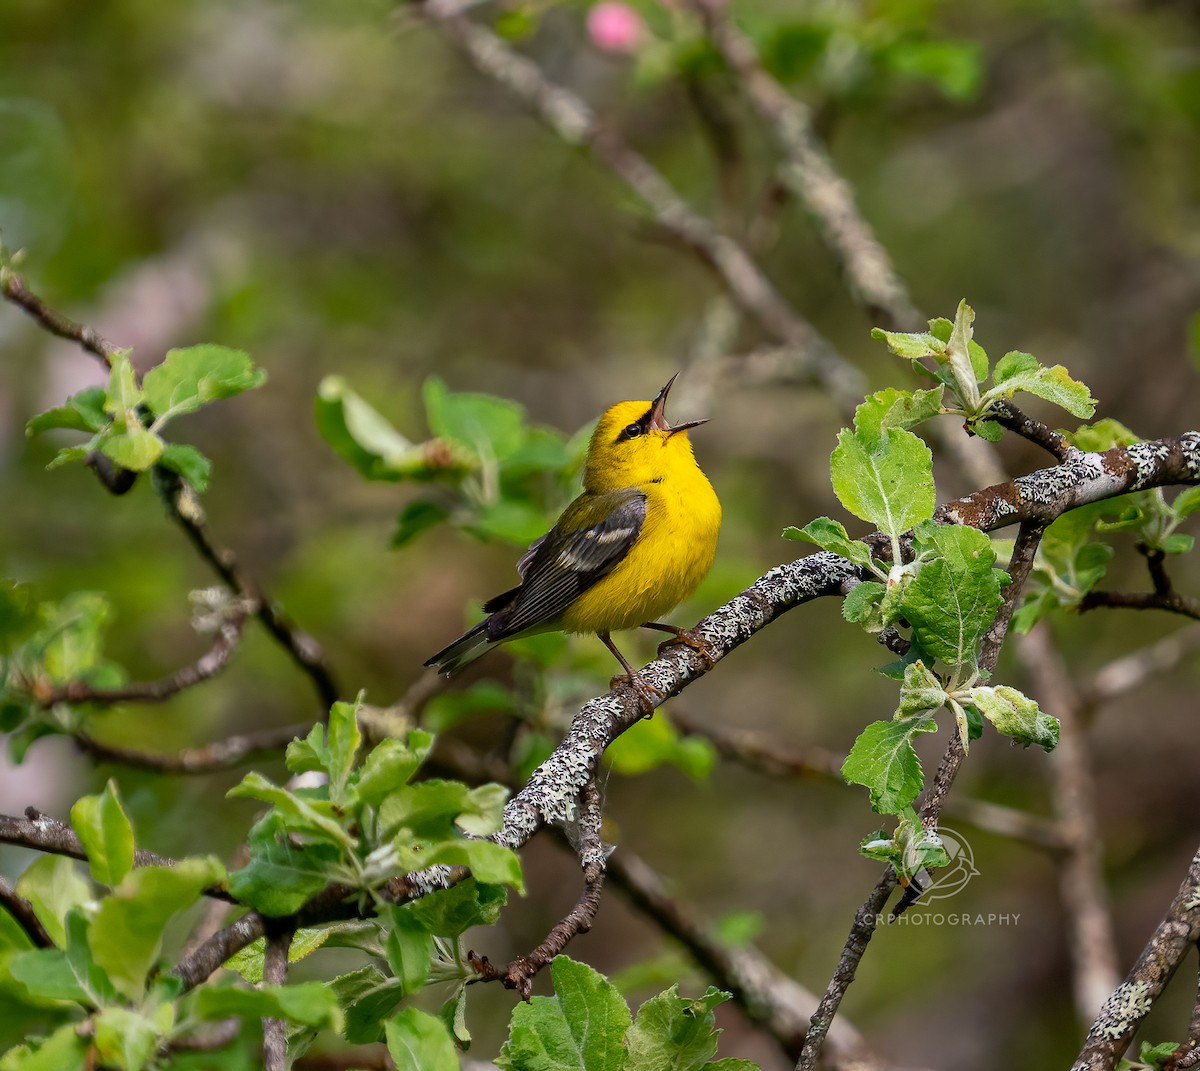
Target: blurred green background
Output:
[(333, 189)]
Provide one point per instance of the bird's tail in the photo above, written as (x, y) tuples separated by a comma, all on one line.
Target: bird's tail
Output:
[(468, 647)]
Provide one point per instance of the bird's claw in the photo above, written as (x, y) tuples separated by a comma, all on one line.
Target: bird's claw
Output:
[(690, 638), (646, 698)]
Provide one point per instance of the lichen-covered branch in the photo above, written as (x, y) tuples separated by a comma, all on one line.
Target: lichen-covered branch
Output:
[(1132, 1000), (519, 973)]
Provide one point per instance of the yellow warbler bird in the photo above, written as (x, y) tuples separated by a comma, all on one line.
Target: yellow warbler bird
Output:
[(633, 546)]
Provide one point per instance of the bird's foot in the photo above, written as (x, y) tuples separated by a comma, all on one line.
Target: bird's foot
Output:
[(646, 697), (689, 638)]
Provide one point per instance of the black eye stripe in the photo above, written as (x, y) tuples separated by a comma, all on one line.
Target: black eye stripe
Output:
[(632, 431)]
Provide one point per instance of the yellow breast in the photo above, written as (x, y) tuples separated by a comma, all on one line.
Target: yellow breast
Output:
[(672, 554)]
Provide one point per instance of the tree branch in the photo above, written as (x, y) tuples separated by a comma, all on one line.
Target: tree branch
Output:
[(1135, 600), (809, 173), (573, 121), (275, 971), (14, 290), (24, 916), (1131, 1001), (1009, 416), (219, 755)]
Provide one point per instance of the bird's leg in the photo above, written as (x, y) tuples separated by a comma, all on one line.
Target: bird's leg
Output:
[(645, 696), (688, 637)]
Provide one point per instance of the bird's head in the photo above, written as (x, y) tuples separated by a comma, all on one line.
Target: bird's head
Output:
[(634, 443)]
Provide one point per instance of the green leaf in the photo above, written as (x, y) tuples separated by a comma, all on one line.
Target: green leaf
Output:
[(365, 439), (454, 1014), (954, 598), (490, 863), (672, 1033), (892, 408), (192, 465), (1103, 435), (409, 949), (64, 1050), (307, 1003), (106, 833), (123, 396), (910, 849), (920, 693), (418, 1041), (483, 814), (1022, 372), (129, 1039), (136, 448), (281, 876), (53, 885), (387, 767), (580, 1028), (890, 484), (1186, 502), (305, 941), (1014, 714), (655, 742), (883, 760), (451, 912), (415, 518), (83, 412), (47, 974), (189, 378), (862, 601), (344, 741), (830, 535), (968, 363), (912, 347), (127, 932), (314, 817), (483, 697), (491, 427)]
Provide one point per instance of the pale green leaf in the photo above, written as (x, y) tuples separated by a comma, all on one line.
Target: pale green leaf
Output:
[(830, 535), (883, 760), (1016, 715), (189, 378), (890, 485), (106, 833), (418, 1041)]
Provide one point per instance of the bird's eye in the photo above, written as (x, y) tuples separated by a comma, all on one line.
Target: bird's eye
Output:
[(632, 431)]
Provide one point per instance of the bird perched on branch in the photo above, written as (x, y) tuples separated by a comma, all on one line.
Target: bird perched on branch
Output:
[(629, 549)]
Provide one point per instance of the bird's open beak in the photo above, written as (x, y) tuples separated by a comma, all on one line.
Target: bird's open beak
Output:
[(658, 419)]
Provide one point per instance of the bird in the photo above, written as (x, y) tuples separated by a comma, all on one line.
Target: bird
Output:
[(628, 550)]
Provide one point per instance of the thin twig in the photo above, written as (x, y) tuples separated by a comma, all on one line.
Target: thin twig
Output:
[(185, 509), (275, 970), (204, 668), (23, 914), (206, 1040), (1135, 600), (13, 287), (219, 755), (810, 174), (1009, 416), (519, 973), (573, 121)]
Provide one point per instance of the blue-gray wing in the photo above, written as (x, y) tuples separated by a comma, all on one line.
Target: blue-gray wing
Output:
[(564, 563)]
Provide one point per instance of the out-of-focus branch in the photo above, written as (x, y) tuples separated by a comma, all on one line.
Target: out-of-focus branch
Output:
[(219, 755), (275, 971), (1123, 674), (573, 121), (185, 509), (1131, 1001), (810, 174), (207, 666), (766, 755), (23, 914), (1172, 602), (1080, 870)]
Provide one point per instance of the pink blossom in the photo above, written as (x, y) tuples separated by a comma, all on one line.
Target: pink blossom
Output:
[(615, 27)]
